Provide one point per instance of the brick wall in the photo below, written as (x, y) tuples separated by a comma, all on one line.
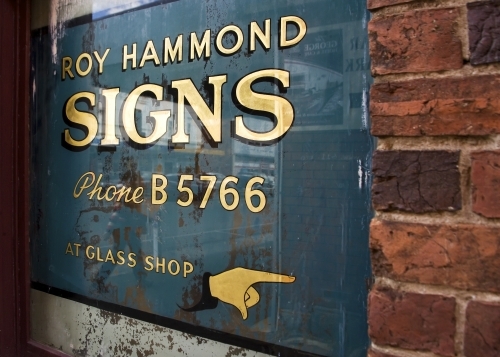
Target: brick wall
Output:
[(435, 238)]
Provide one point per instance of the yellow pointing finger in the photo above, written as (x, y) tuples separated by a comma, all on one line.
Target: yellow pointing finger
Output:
[(265, 277)]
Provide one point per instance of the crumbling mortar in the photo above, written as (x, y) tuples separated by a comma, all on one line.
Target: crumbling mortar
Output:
[(453, 143), (466, 71), (393, 351), (460, 308), (463, 296), (461, 28), (416, 5), (438, 218)]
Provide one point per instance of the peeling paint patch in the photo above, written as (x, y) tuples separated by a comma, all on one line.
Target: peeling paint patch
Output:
[(83, 331), (236, 351)]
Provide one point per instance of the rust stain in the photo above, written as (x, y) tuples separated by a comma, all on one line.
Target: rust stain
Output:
[(191, 293), (116, 236), (237, 222), (136, 296), (113, 318), (236, 351), (130, 177), (88, 40), (171, 342)]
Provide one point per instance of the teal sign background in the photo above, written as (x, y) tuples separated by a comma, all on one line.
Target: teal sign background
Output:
[(315, 222)]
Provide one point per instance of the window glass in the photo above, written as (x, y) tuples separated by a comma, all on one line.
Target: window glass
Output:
[(204, 166)]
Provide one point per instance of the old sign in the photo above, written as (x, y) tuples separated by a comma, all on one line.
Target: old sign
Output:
[(203, 165)]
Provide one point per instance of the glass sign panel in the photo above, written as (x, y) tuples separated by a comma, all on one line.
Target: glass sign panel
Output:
[(205, 164)]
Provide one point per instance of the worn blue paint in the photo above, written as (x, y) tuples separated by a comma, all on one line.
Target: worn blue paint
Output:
[(315, 225)]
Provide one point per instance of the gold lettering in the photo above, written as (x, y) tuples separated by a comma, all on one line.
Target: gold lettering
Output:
[(131, 259), (120, 259), (110, 193), (170, 52), (301, 26), (66, 64), (276, 105), (158, 189), (78, 64), (256, 32), (77, 246), (124, 191), (161, 116), (98, 257), (199, 47), (149, 54), (237, 45), (101, 60), (106, 194), (210, 120), (162, 265), (188, 268), (97, 189), (178, 267), (129, 56), (88, 120), (109, 257), (137, 194), (84, 185), (87, 252), (69, 249), (149, 262), (110, 114)]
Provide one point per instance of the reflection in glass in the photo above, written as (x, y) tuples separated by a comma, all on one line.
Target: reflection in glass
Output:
[(144, 224)]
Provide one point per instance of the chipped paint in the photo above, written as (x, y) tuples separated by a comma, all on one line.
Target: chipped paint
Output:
[(84, 331)]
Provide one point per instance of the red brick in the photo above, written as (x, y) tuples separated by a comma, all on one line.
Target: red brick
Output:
[(412, 321), (416, 41), (374, 4), (483, 18), (463, 256), (482, 330), (446, 106), (485, 176), (416, 181)]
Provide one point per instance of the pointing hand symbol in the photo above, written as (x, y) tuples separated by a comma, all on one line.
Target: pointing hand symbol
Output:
[(235, 286)]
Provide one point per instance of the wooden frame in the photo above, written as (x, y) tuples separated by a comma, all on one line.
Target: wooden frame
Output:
[(14, 183)]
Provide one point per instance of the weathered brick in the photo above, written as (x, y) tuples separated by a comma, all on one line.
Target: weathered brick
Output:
[(482, 330), (446, 106), (375, 4), (372, 353), (463, 256), (483, 18), (416, 41), (485, 177), (416, 181), (412, 321)]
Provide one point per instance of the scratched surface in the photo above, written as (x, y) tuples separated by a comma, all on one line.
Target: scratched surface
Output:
[(315, 222), (94, 332)]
